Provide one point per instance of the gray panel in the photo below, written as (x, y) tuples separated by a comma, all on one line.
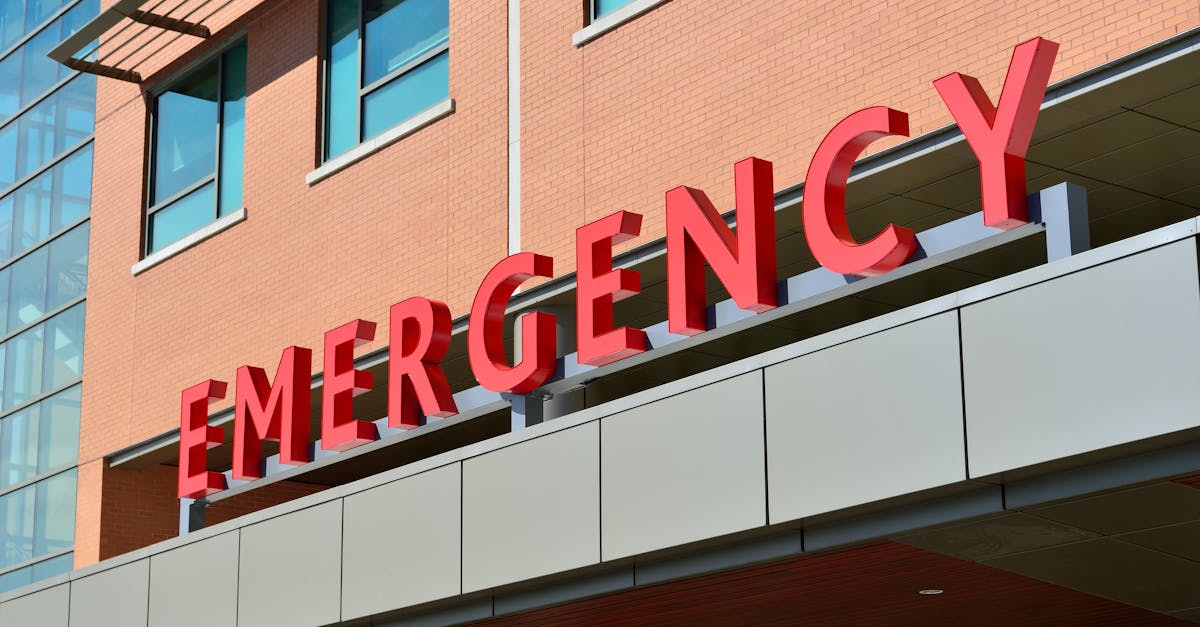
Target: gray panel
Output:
[(685, 468), (112, 598), (1093, 359), (289, 569), (44, 608), (995, 537), (1182, 540), (532, 509), (870, 419), (402, 543), (200, 574), (1115, 570), (1128, 510)]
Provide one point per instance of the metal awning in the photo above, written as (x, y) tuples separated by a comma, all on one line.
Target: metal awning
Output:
[(127, 34)]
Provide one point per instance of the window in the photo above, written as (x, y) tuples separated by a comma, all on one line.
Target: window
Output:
[(26, 73), (601, 8), (39, 519), (197, 150), (404, 69)]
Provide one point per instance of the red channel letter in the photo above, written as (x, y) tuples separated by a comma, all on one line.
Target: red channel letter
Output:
[(1000, 135), (744, 264), (485, 332), (599, 286), (340, 431), (266, 411), (196, 437), (419, 339), (824, 208)]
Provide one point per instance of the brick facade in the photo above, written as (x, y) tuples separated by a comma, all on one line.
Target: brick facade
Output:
[(674, 97)]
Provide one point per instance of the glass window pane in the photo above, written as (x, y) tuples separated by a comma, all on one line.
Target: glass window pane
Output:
[(16, 579), (10, 83), (233, 129), (64, 348), (6, 228), (16, 527), (39, 72), (18, 446), (67, 272), (54, 528), (341, 105), (27, 300), (5, 275), (23, 368), (53, 566), (185, 145), (32, 205), (72, 189), (38, 11), (399, 31), (58, 430), (8, 156), (53, 200), (47, 130), (407, 95), (608, 6), (12, 22), (169, 224)]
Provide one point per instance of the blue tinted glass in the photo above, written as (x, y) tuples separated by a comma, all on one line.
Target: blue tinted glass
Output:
[(58, 430), (38, 11), (407, 95), (63, 361), (608, 6), (233, 129), (5, 275), (181, 217), (185, 143), (53, 566), (38, 71), (12, 22), (15, 579), (33, 201), (399, 31), (23, 368), (341, 105), (46, 204), (73, 188), (18, 446), (27, 298), (16, 526), (10, 84), (47, 130), (54, 524), (6, 227), (67, 271), (64, 349)]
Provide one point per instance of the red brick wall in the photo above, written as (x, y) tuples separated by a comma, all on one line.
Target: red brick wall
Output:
[(673, 97)]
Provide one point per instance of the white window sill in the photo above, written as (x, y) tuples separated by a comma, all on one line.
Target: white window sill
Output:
[(371, 146), (212, 228), (605, 23)]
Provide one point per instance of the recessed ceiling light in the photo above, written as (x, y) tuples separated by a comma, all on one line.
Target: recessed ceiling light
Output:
[(931, 591)]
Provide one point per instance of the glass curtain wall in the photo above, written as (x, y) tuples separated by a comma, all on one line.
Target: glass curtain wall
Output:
[(47, 117)]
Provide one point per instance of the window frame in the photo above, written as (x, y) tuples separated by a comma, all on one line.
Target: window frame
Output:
[(363, 90), (151, 152)]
